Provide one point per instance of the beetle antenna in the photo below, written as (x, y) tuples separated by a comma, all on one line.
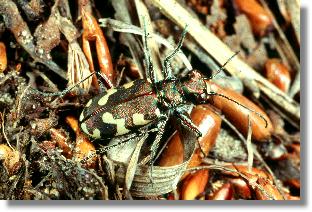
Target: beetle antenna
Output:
[(232, 100), (61, 93), (222, 68)]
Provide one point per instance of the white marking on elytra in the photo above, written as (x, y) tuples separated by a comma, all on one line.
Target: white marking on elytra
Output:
[(96, 133), (128, 85), (84, 128), (89, 103), (104, 99), (120, 123), (138, 119), (81, 117), (157, 112)]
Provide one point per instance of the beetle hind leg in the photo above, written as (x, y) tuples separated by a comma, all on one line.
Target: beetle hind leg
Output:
[(60, 93), (121, 140)]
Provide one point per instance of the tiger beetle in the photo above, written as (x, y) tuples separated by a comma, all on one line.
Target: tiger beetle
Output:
[(126, 109), (121, 112)]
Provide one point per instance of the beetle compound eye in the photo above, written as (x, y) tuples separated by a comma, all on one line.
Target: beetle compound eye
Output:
[(203, 97)]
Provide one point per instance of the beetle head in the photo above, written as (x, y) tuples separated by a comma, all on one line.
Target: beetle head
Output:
[(194, 87)]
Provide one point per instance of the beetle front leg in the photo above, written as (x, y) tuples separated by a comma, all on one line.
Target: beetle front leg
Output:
[(187, 121)]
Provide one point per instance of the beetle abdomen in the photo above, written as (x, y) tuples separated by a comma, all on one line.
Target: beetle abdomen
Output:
[(120, 110)]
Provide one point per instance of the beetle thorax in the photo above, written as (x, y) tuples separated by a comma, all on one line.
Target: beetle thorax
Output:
[(170, 92)]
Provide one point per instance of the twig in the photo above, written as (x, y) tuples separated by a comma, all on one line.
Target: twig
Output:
[(208, 161), (2, 115), (15, 23), (104, 187), (249, 146), (19, 104), (119, 78), (293, 6), (277, 110), (124, 13), (201, 54), (295, 87)]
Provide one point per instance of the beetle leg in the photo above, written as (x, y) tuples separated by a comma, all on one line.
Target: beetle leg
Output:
[(121, 140), (161, 129), (167, 72), (126, 138), (60, 93), (187, 121), (101, 81)]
